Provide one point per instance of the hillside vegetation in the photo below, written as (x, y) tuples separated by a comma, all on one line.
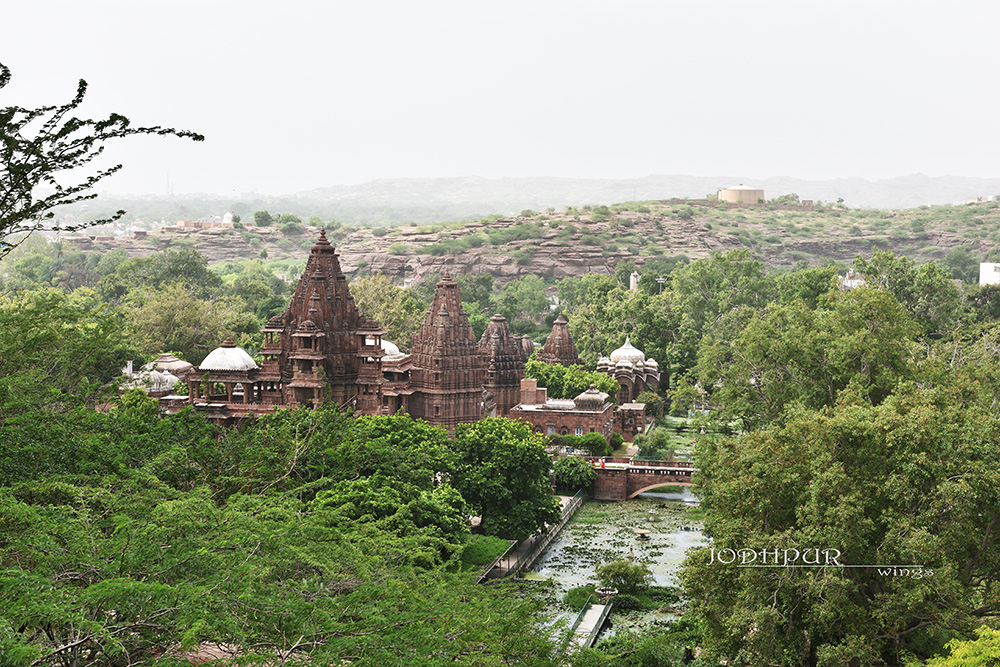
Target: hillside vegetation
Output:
[(577, 241)]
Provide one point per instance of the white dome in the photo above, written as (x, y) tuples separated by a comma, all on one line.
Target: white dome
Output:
[(391, 350), (627, 352), (162, 380), (228, 358), (651, 363)]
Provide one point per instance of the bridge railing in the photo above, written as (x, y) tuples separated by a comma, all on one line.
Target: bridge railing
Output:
[(600, 623), (583, 612), (641, 463), (534, 546)]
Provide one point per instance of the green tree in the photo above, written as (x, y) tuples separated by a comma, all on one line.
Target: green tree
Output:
[(568, 381), (263, 219), (173, 318), (926, 291), (760, 363), (984, 651), (658, 444), (58, 350), (573, 472), (962, 264), (41, 152), (910, 481), (391, 306), (704, 290), (653, 402), (524, 297), (476, 290), (186, 266), (791, 198), (503, 473), (626, 576)]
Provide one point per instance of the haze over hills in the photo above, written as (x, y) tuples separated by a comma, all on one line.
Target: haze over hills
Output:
[(432, 200), (542, 192)]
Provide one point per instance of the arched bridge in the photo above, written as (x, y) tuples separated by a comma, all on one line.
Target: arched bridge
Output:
[(621, 478)]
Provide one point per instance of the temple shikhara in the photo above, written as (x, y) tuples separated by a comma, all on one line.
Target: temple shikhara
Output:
[(322, 349)]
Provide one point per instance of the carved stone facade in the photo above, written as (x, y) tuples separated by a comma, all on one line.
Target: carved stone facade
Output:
[(559, 347), (448, 371), (312, 350), (505, 358), (322, 348), (633, 371), (590, 412)]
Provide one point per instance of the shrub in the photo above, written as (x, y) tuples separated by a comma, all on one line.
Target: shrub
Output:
[(625, 601), (658, 444), (627, 577), (595, 444), (399, 249), (380, 231), (616, 441), (575, 598), (573, 472)]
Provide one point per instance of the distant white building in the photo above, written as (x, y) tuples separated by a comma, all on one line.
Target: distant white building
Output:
[(741, 194), (989, 273)]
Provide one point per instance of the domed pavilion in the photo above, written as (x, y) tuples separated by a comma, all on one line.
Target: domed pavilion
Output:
[(635, 373)]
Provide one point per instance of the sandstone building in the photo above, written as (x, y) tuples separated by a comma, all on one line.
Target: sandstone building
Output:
[(630, 368), (505, 359), (323, 349), (590, 412), (559, 347)]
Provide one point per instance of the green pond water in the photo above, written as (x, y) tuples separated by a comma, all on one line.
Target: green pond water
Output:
[(602, 532)]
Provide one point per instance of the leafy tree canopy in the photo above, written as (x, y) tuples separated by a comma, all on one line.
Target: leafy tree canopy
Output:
[(45, 148), (503, 473)]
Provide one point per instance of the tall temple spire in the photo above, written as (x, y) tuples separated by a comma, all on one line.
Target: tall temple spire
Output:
[(559, 347), (321, 297), (448, 370), (504, 364)]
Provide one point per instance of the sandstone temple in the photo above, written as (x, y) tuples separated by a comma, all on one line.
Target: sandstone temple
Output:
[(322, 349)]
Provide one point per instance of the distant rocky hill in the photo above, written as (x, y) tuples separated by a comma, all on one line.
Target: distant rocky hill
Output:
[(576, 241)]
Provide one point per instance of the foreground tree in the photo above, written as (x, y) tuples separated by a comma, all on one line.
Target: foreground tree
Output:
[(573, 472), (910, 482), (504, 475), (41, 148)]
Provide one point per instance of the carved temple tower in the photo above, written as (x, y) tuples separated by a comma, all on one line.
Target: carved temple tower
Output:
[(315, 345), (505, 358), (448, 370), (559, 346)]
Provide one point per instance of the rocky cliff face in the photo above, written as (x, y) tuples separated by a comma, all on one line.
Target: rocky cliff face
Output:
[(577, 242)]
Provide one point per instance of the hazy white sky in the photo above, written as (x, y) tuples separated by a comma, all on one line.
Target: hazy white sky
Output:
[(300, 94)]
